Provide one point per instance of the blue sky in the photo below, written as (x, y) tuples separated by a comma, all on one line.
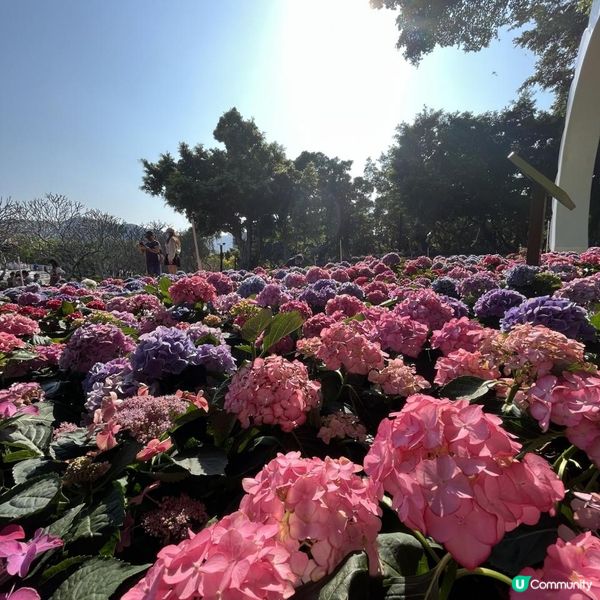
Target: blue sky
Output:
[(90, 87)]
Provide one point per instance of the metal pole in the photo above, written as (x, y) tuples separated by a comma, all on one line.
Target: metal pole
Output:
[(221, 256), (341, 257), (537, 214), (198, 261)]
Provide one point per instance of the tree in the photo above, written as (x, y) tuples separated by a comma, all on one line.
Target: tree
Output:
[(238, 189), (447, 174), (551, 29)]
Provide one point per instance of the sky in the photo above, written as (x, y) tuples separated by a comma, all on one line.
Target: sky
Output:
[(88, 88)]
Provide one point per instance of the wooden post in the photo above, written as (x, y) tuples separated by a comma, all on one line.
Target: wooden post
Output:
[(537, 214), (341, 256), (198, 261)]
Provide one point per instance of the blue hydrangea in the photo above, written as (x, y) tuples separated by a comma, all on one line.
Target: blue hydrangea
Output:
[(521, 276), (164, 351), (391, 259), (558, 314), (474, 286), (251, 286), (446, 286), (216, 359), (495, 303), (352, 290)]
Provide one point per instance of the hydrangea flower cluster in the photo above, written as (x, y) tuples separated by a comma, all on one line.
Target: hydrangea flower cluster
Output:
[(471, 288), (453, 474), (558, 314), (148, 417), (461, 363), (94, 343), (189, 290), (342, 345), (165, 351), (18, 325), (10, 342), (496, 302), (426, 307), (174, 517), (272, 295), (19, 398), (203, 565), (398, 379), (575, 564), (346, 304), (459, 334), (216, 359), (401, 334), (341, 425), (251, 286), (273, 391), (320, 505)]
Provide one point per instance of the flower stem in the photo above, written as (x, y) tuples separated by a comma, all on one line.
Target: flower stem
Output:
[(486, 573), (426, 545)]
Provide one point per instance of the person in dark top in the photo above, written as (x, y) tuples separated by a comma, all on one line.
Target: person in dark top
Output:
[(150, 246), (55, 272)]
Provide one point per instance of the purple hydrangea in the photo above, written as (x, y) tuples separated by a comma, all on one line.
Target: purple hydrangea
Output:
[(391, 259), (251, 285), (472, 287), (201, 333), (521, 276), (495, 303), (221, 282), (164, 351), (352, 290), (584, 291), (32, 299), (460, 308), (445, 286), (115, 376), (558, 314), (223, 304), (316, 295), (94, 343), (216, 359), (100, 371), (272, 295)]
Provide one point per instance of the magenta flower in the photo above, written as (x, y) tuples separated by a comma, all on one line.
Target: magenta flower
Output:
[(190, 290), (19, 555), (25, 593)]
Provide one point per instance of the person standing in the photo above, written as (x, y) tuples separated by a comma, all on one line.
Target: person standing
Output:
[(173, 251), (150, 246), (55, 272)]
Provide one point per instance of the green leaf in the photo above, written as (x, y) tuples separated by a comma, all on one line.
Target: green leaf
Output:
[(467, 388), (40, 340), (282, 324), (67, 308), (350, 581), (61, 526), (33, 467), (595, 320), (97, 579), (254, 326), (29, 498), (417, 587), (399, 554), (163, 285), (21, 355), (32, 432), (109, 512), (211, 461), (61, 567), (72, 444), (244, 348)]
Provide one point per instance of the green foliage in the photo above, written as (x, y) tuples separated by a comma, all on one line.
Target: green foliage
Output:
[(29, 497), (281, 325), (550, 29), (97, 579)]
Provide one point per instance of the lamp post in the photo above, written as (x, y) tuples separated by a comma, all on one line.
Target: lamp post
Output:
[(221, 244)]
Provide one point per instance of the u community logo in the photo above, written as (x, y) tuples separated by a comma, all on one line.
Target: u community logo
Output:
[(520, 583)]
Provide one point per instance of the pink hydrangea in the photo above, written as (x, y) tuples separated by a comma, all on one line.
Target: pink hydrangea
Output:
[(344, 303), (460, 333), (313, 326), (234, 558), (343, 346), (398, 379), (319, 505), (24, 593), (273, 391), (586, 436), (297, 305), (565, 400), (452, 473), (222, 283), (19, 398), (18, 325), (571, 571), (400, 334), (460, 363), (531, 351), (426, 307), (190, 290), (341, 425), (315, 273), (10, 342)]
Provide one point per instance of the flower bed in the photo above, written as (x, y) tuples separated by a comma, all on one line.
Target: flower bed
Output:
[(390, 428)]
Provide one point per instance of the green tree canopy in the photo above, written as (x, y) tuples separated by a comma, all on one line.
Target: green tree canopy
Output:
[(551, 29)]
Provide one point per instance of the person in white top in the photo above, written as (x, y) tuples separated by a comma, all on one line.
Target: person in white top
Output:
[(173, 251)]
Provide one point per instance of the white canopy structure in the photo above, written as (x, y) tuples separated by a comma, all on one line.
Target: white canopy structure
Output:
[(569, 229)]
